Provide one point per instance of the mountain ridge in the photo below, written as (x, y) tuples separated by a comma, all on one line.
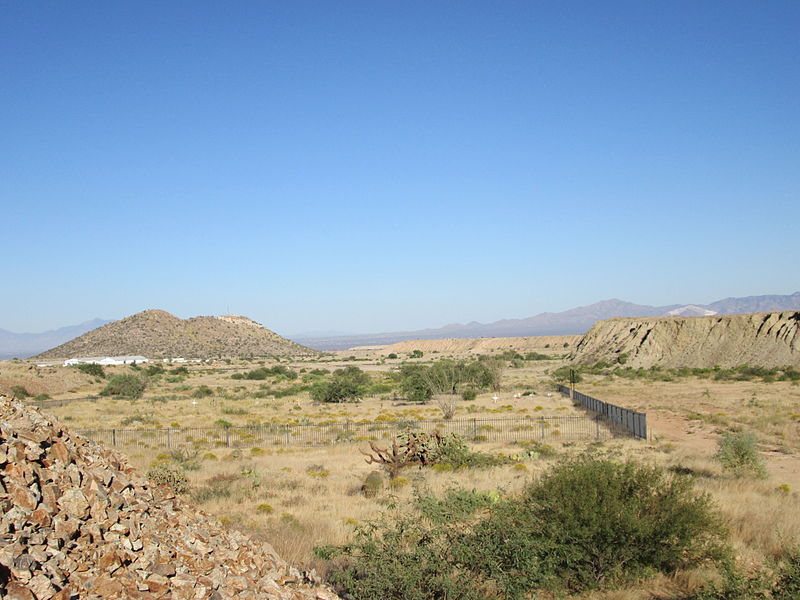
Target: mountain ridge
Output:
[(573, 321)]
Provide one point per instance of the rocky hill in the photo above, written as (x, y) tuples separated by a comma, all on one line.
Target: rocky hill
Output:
[(758, 339), (79, 522), (158, 334)]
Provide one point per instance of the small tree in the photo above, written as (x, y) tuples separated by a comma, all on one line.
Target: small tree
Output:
[(738, 454), (346, 385)]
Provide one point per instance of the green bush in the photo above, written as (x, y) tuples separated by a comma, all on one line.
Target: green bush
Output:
[(347, 385), (170, 475), (453, 452), (373, 484), (19, 391), (91, 369), (406, 556), (391, 355), (202, 391), (592, 523), (738, 454), (469, 394), (128, 386), (588, 524)]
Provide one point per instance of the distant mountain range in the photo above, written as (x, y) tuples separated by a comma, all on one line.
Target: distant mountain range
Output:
[(569, 322), (22, 345)]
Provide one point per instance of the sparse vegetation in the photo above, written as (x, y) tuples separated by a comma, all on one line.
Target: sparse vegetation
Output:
[(91, 369), (171, 475), (126, 385), (738, 454), (587, 524)]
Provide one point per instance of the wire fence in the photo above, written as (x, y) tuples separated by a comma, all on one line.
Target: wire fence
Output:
[(632, 421), (562, 428)]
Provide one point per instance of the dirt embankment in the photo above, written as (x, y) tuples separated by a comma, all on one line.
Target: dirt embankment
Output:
[(758, 339), (79, 522), (541, 343)]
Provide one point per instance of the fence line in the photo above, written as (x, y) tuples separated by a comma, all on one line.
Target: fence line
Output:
[(563, 428), (632, 421)]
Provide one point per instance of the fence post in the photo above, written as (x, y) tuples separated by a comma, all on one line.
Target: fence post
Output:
[(474, 428), (288, 434), (113, 437), (169, 438), (597, 427), (541, 426), (227, 437)]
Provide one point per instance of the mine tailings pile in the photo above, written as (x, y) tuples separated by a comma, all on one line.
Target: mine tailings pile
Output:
[(79, 522), (757, 339)]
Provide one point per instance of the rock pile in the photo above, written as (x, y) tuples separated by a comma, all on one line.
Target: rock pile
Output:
[(78, 522)]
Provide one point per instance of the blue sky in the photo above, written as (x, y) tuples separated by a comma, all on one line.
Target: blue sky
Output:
[(381, 166)]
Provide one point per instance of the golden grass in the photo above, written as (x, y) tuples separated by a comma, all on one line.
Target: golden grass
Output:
[(296, 498)]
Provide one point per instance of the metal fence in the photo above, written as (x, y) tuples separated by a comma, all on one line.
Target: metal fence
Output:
[(632, 421), (566, 428)]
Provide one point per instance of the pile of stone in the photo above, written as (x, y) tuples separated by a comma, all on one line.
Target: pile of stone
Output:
[(77, 522)]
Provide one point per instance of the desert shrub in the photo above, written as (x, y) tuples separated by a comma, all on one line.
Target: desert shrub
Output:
[(171, 475), (416, 354), (414, 385), (42, 397), (264, 372), (404, 556), (373, 484), (469, 394), (187, 459), (447, 403), (180, 371), (738, 454), (91, 369), (153, 370), (538, 356), (128, 386), (391, 355), (19, 391), (453, 452), (787, 583), (346, 385), (202, 391), (217, 487), (592, 523), (562, 375), (139, 418), (781, 582)]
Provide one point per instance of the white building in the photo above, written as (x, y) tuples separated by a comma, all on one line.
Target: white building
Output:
[(106, 360)]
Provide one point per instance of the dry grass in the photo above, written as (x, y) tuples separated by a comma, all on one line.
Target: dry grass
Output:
[(296, 498)]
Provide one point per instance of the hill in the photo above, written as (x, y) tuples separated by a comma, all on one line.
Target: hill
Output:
[(158, 334), (758, 339), (79, 522), (575, 321)]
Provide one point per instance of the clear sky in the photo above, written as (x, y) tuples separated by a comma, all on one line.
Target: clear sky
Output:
[(377, 166)]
